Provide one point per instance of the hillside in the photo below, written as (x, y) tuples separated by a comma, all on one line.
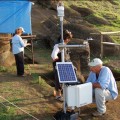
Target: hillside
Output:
[(81, 18), (34, 92), (98, 14)]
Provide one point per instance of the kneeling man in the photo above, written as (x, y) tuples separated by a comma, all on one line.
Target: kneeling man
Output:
[(104, 85)]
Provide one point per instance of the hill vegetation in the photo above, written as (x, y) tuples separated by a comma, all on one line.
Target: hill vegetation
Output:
[(102, 15)]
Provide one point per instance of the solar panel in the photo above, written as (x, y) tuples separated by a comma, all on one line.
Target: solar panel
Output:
[(66, 72)]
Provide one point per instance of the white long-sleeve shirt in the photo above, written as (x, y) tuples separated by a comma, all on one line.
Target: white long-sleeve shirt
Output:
[(55, 52)]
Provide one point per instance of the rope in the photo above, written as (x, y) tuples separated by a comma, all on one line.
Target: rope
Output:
[(18, 108)]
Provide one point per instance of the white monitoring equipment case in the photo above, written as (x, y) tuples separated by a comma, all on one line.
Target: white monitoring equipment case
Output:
[(79, 95)]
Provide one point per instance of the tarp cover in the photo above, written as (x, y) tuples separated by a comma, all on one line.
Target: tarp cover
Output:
[(14, 14)]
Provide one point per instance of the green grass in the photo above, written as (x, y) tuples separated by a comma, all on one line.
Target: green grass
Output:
[(117, 70), (20, 96), (35, 78), (102, 9), (116, 39), (107, 60), (110, 58), (13, 68), (8, 113), (3, 69)]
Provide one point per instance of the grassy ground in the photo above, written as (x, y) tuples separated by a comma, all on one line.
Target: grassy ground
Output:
[(31, 93), (34, 95)]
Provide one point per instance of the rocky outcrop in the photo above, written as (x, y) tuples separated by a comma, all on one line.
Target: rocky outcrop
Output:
[(80, 57), (6, 57)]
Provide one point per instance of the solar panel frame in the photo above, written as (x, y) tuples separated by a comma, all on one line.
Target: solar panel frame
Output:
[(66, 72)]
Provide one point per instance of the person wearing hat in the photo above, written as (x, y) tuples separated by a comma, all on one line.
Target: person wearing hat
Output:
[(56, 57), (104, 85), (18, 50)]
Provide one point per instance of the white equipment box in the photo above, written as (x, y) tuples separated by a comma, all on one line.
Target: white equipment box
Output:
[(79, 95)]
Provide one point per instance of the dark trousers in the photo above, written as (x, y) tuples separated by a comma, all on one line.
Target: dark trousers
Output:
[(19, 58), (57, 84)]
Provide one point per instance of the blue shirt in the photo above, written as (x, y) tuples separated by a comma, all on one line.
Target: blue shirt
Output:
[(17, 44), (106, 80)]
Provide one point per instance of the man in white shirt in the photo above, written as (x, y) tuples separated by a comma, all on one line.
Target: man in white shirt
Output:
[(104, 85)]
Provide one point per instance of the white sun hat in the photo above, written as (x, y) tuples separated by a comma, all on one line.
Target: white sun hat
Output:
[(95, 62), (22, 29)]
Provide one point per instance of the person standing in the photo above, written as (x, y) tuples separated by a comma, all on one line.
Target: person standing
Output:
[(56, 57), (18, 50), (104, 85)]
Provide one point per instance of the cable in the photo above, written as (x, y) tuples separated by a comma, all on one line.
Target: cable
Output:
[(18, 108)]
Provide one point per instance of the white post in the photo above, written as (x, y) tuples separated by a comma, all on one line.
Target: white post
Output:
[(60, 12)]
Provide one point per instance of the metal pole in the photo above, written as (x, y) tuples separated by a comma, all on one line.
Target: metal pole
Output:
[(62, 59), (60, 9), (72, 46), (32, 51), (62, 41)]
